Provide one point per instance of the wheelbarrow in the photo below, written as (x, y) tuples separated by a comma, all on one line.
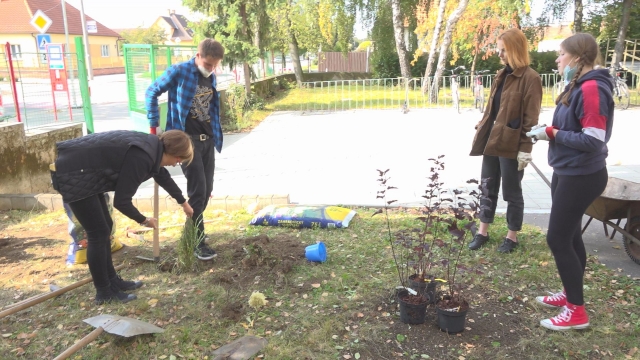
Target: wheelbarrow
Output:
[(113, 324), (620, 200)]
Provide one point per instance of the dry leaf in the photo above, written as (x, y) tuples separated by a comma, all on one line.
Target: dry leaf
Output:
[(152, 344), (315, 285), (6, 335), (304, 296), (105, 345), (346, 356), (152, 302), (632, 351), (233, 334), (279, 303), (19, 351), (48, 349), (360, 315), (471, 320)]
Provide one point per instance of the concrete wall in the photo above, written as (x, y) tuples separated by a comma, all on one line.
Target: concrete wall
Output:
[(25, 158)]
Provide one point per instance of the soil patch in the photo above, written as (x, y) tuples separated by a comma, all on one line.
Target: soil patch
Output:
[(490, 326), (259, 259)]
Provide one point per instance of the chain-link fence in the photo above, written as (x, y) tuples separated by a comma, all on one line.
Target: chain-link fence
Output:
[(37, 102)]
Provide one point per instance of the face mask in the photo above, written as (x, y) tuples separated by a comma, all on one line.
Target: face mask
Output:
[(569, 72), (206, 73)]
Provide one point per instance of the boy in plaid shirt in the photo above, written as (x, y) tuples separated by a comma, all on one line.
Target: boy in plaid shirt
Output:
[(193, 107)]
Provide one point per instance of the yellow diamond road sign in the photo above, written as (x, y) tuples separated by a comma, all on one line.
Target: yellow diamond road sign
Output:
[(41, 22)]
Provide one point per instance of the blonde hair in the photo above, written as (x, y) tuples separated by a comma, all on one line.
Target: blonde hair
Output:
[(585, 48), (177, 143), (517, 48)]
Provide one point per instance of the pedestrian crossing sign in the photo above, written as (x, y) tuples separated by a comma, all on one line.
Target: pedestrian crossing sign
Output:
[(43, 40)]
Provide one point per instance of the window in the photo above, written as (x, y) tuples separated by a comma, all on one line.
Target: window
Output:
[(105, 51), (16, 53)]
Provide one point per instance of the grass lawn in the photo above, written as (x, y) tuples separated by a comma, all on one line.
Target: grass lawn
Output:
[(341, 309)]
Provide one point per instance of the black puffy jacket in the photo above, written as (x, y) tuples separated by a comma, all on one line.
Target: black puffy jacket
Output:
[(91, 164)]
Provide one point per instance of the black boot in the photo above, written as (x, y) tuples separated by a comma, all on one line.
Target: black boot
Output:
[(107, 294), (478, 241), (124, 285)]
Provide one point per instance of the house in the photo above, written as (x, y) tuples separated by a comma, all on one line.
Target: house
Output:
[(553, 35), (176, 27), (16, 29)]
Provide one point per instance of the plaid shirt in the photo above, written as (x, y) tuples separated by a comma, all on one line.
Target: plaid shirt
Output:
[(181, 80)]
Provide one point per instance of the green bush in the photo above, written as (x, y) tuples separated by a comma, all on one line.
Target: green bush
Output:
[(240, 106)]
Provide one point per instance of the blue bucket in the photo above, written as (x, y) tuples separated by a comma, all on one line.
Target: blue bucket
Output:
[(316, 252)]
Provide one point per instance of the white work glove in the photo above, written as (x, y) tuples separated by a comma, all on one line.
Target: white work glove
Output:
[(523, 160), (156, 130), (538, 132)]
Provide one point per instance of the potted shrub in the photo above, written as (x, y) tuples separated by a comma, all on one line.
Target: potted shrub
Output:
[(430, 235), (452, 306), (413, 305)]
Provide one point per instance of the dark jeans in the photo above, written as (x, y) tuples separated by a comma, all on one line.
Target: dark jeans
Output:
[(93, 215), (570, 198), (499, 168), (199, 176)]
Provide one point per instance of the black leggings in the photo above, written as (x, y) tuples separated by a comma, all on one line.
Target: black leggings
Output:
[(93, 215), (571, 196)]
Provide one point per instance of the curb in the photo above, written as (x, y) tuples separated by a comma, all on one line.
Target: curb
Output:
[(53, 202)]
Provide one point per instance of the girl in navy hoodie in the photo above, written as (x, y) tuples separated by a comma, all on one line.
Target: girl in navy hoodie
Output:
[(578, 139)]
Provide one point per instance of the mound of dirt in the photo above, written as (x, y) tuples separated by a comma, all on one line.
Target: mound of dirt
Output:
[(260, 258)]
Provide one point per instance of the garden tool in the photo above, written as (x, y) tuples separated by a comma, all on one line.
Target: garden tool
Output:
[(14, 308), (113, 324), (156, 231), (241, 349), (541, 174)]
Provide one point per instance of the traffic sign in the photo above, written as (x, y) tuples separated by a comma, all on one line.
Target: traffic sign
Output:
[(92, 27), (55, 56), (43, 40), (41, 21)]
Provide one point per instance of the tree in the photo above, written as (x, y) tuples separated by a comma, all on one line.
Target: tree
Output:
[(444, 47), (577, 16), (398, 32), (139, 35), (434, 43), (622, 33), (229, 22)]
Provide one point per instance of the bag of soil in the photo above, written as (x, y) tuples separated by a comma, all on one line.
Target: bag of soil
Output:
[(298, 216)]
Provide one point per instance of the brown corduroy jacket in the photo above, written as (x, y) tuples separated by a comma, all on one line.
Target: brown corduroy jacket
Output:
[(520, 104)]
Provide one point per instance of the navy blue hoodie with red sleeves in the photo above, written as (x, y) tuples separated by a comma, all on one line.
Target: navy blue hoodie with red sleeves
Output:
[(580, 145)]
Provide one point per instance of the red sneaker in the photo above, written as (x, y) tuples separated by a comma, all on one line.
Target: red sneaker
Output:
[(556, 300), (571, 317)]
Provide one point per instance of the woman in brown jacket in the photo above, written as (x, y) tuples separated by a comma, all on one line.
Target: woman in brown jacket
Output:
[(513, 109)]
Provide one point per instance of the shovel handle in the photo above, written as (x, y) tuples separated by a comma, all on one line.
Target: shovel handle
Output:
[(40, 298), (80, 344), (156, 231)]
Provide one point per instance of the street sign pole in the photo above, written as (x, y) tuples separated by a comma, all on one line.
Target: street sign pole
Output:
[(86, 41), (69, 61)]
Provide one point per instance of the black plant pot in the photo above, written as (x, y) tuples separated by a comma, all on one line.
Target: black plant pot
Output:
[(451, 322), (426, 288), (412, 313)]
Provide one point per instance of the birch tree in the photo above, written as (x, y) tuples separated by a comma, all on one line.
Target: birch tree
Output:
[(444, 47)]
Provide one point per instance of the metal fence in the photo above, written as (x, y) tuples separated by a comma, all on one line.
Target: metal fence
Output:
[(35, 102), (393, 93)]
